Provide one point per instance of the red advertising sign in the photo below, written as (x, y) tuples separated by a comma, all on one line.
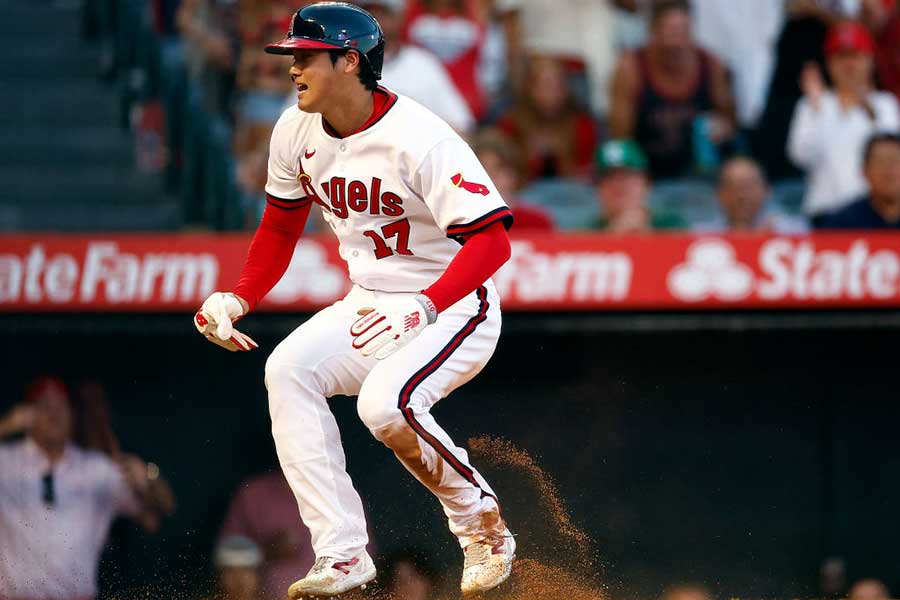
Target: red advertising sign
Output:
[(160, 272)]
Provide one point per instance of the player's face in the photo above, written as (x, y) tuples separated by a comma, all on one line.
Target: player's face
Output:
[(315, 78)]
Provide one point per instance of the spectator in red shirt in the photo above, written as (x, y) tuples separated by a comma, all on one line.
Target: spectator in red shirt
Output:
[(503, 164), (455, 31), (264, 510), (882, 17), (557, 138)]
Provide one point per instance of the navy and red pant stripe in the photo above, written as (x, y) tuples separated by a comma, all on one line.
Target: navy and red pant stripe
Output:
[(433, 365)]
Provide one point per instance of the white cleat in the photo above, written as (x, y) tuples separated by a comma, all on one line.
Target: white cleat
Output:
[(488, 563), (333, 577)]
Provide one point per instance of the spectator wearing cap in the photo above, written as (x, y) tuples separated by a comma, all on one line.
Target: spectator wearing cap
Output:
[(743, 193), (664, 92), (830, 127), (264, 511), (59, 495), (623, 189), (238, 560), (880, 207), (501, 160), (556, 137), (416, 72)]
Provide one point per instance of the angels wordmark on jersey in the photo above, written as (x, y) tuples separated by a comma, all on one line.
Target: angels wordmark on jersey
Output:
[(384, 199)]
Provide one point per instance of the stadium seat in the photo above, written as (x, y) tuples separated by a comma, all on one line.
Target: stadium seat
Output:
[(572, 203), (788, 195), (692, 199)]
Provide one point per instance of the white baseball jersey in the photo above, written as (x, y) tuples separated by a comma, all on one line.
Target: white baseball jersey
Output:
[(400, 194)]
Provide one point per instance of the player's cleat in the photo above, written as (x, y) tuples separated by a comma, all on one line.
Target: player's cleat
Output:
[(488, 563), (332, 577)]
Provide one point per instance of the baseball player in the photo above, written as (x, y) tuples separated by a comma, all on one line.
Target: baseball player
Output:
[(422, 229)]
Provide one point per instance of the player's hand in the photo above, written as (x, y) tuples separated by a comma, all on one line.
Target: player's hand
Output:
[(384, 329), (215, 321)]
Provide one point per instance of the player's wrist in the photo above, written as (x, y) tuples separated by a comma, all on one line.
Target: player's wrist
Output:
[(245, 306), (431, 311)]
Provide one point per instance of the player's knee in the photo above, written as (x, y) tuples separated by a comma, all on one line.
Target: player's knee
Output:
[(282, 373), (379, 413)]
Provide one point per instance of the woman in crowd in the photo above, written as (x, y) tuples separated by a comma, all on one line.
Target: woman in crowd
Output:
[(831, 126), (557, 138)]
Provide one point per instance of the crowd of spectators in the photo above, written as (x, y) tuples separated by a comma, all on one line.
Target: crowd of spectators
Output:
[(747, 115), (64, 478)]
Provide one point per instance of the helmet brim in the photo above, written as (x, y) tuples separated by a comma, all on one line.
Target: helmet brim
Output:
[(289, 44)]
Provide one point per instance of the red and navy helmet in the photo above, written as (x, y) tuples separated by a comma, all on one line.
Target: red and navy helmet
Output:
[(335, 25)]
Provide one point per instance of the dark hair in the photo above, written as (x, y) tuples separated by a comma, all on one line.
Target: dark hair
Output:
[(661, 8), (366, 76), (878, 138)]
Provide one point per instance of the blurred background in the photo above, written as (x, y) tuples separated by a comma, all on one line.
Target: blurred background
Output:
[(701, 313)]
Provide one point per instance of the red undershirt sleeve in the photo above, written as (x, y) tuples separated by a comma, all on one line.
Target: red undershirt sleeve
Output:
[(482, 254), (272, 248)]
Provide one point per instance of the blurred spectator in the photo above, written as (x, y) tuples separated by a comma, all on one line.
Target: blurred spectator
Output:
[(743, 34), (410, 575), (832, 577), (880, 209), (882, 17), (686, 591), (264, 511), (263, 83), (580, 35), (672, 96), (59, 495), (453, 30), (830, 128), (742, 192), (801, 41), (238, 560), (557, 139), (212, 42), (503, 165), (415, 72), (869, 589), (623, 189)]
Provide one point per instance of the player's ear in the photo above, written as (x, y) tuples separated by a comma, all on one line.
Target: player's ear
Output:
[(351, 58)]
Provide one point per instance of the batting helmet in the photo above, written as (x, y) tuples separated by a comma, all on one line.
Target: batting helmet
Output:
[(335, 26)]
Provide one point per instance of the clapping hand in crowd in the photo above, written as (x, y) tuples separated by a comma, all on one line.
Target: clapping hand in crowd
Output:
[(18, 420)]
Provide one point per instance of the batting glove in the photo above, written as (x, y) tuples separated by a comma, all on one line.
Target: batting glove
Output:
[(215, 322), (384, 330)]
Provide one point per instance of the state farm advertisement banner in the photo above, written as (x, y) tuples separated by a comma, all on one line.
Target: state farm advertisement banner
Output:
[(159, 273)]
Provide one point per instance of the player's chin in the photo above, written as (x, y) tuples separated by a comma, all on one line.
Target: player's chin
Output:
[(306, 102)]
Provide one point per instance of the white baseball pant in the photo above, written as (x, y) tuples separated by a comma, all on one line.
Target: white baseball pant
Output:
[(316, 361)]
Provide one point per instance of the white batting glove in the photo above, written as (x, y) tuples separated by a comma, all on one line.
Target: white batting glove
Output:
[(215, 321), (390, 326)]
